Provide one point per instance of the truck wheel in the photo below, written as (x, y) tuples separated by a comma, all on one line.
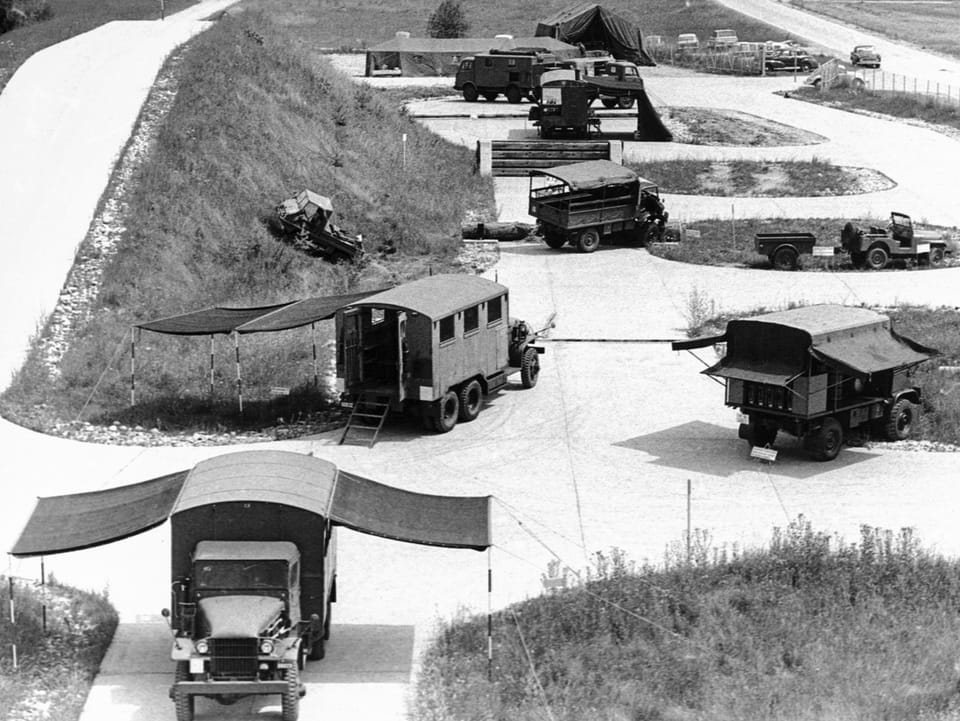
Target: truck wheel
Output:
[(588, 241), (784, 259), (317, 650), (530, 368), (554, 241), (513, 94), (899, 421), (625, 103), (609, 102), (470, 93), (290, 699), (471, 399), (936, 256), (858, 259), (184, 703), (826, 442), (448, 409), (877, 258), (490, 97)]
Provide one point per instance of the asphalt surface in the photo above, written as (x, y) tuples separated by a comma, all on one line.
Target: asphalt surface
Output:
[(598, 455)]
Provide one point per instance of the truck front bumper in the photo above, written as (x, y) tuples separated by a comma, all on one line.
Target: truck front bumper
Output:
[(218, 688)]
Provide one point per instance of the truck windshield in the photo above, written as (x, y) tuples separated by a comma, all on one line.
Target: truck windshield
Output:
[(241, 574)]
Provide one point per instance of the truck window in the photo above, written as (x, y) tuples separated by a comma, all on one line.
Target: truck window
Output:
[(488, 62), (471, 319), (241, 574), (447, 329), (376, 315), (494, 310), (511, 62)]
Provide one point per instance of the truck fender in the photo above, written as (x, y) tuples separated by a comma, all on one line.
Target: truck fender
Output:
[(910, 394)]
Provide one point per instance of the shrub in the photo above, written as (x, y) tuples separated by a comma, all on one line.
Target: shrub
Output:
[(16, 13)]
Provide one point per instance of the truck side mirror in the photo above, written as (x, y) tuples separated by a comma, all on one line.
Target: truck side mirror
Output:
[(165, 612)]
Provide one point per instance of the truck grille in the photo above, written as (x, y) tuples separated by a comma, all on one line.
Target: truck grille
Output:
[(233, 658)]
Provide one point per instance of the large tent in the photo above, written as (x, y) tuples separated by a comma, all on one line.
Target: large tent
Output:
[(597, 28), (60, 524), (441, 56)]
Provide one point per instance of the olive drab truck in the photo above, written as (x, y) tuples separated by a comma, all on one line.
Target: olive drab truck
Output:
[(513, 73), (252, 583), (432, 348), (824, 373)]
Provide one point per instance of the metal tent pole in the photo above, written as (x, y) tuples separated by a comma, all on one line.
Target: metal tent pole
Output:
[(133, 366), (211, 366), (236, 345), (316, 373)]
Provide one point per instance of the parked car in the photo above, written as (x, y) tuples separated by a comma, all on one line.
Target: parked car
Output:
[(865, 55), (792, 61), (722, 39), (653, 42), (687, 42)]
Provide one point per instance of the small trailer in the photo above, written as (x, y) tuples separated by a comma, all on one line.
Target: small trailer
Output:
[(822, 373), (306, 221), (594, 200), (434, 348), (784, 249)]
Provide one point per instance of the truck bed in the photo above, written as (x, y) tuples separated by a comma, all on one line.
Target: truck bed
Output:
[(579, 210), (767, 243)]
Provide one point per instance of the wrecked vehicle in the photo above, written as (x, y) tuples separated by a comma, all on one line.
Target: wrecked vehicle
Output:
[(306, 221), (826, 374)]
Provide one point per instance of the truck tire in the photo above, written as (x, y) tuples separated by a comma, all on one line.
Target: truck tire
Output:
[(899, 422), (317, 649), (470, 93), (471, 400), (825, 442), (447, 411), (530, 367), (785, 259), (651, 233), (183, 703), (290, 699), (588, 241), (609, 102), (513, 94), (936, 256), (877, 258), (554, 240), (624, 102), (490, 97)]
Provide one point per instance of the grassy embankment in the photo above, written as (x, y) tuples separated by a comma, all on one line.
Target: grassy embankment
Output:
[(810, 627), (251, 124), (55, 669), (70, 18)]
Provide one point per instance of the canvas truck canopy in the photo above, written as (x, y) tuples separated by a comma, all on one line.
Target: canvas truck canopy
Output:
[(436, 296), (83, 520), (592, 174)]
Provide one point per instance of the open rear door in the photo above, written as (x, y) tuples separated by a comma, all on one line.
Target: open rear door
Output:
[(352, 361), (401, 355)]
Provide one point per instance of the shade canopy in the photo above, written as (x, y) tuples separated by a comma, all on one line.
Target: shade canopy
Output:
[(76, 521)]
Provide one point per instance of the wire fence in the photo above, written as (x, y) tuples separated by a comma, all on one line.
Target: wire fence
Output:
[(940, 94), (730, 61)]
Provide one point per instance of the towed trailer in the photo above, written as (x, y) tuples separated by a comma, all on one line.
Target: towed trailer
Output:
[(822, 373), (433, 348)]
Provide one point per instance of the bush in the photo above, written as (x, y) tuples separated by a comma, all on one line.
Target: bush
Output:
[(16, 13), (448, 21)]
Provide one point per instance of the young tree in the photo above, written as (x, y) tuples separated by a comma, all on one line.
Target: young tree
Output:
[(448, 21)]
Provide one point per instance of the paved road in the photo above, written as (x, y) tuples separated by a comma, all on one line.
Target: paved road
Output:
[(840, 39), (598, 455)]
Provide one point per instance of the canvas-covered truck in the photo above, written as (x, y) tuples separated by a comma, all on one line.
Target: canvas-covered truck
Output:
[(433, 347), (252, 583), (784, 249), (823, 373), (583, 203), (876, 246)]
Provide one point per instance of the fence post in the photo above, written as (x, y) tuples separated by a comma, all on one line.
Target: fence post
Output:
[(13, 622)]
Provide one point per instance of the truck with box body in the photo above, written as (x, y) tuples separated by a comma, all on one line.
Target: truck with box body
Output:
[(822, 373), (252, 583), (876, 246), (513, 73), (563, 106), (433, 347), (585, 202)]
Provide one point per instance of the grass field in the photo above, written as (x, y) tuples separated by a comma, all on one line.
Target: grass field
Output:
[(810, 627), (56, 667), (929, 25)]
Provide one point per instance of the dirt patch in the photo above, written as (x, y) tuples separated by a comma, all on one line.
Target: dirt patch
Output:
[(707, 126)]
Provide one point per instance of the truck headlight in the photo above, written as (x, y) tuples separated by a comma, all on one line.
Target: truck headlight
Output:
[(266, 647), (202, 646)]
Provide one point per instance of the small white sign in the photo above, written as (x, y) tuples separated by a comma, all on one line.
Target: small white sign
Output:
[(824, 250), (763, 454), (196, 665), (923, 247), (426, 393)]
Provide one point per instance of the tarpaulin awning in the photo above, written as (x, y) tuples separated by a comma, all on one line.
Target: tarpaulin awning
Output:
[(258, 319), (701, 342), (593, 25), (82, 520), (590, 175), (864, 355), (771, 374)]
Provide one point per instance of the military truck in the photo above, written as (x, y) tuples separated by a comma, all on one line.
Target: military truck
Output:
[(823, 373), (594, 200), (875, 247), (513, 73), (252, 583), (432, 348), (563, 106)]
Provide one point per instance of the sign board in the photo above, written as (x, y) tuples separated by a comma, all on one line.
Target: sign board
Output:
[(923, 247), (763, 454), (824, 250), (278, 391)]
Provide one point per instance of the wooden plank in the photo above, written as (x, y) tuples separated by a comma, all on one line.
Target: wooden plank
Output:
[(520, 155)]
